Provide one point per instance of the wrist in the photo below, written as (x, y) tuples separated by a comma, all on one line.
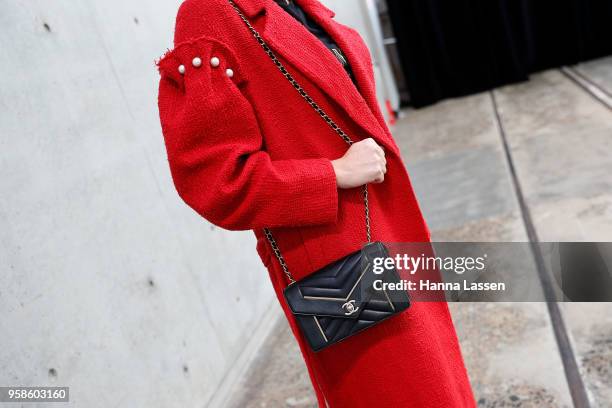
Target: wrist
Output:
[(339, 171)]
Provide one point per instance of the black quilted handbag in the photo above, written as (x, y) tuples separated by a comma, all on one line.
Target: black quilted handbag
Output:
[(340, 299)]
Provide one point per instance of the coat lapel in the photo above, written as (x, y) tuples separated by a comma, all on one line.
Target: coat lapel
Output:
[(358, 55), (295, 44)]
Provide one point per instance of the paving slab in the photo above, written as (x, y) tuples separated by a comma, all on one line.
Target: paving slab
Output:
[(591, 330), (502, 228), (447, 127), (507, 347), (463, 186), (454, 155), (599, 72)]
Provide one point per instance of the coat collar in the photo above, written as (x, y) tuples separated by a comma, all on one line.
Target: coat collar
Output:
[(289, 39), (252, 8)]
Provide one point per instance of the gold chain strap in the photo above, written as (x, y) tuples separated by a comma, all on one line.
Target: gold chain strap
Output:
[(321, 113)]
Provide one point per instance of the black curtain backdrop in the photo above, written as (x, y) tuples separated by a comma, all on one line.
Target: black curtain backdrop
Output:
[(457, 47)]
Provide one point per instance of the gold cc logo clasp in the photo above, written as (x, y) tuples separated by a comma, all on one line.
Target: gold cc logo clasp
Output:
[(350, 308)]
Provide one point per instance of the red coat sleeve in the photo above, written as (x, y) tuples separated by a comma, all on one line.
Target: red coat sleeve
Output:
[(215, 149)]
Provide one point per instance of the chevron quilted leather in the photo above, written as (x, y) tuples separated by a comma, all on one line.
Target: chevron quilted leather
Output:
[(339, 301)]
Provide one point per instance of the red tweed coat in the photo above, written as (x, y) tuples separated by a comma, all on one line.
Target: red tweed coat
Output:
[(246, 152)]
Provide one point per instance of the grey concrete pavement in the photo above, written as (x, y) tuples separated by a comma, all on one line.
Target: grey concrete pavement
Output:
[(598, 72), (559, 138), (458, 169), (562, 145), (466, 193)]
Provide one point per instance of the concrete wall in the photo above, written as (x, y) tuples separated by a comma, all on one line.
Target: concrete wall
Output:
[(110, 284)]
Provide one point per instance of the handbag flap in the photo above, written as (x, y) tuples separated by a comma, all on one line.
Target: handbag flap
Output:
[(339, 289)]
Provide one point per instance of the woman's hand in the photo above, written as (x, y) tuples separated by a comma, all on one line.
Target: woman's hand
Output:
[(363, 163)]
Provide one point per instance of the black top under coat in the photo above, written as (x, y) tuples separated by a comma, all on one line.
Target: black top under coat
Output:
[(296, 12)]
